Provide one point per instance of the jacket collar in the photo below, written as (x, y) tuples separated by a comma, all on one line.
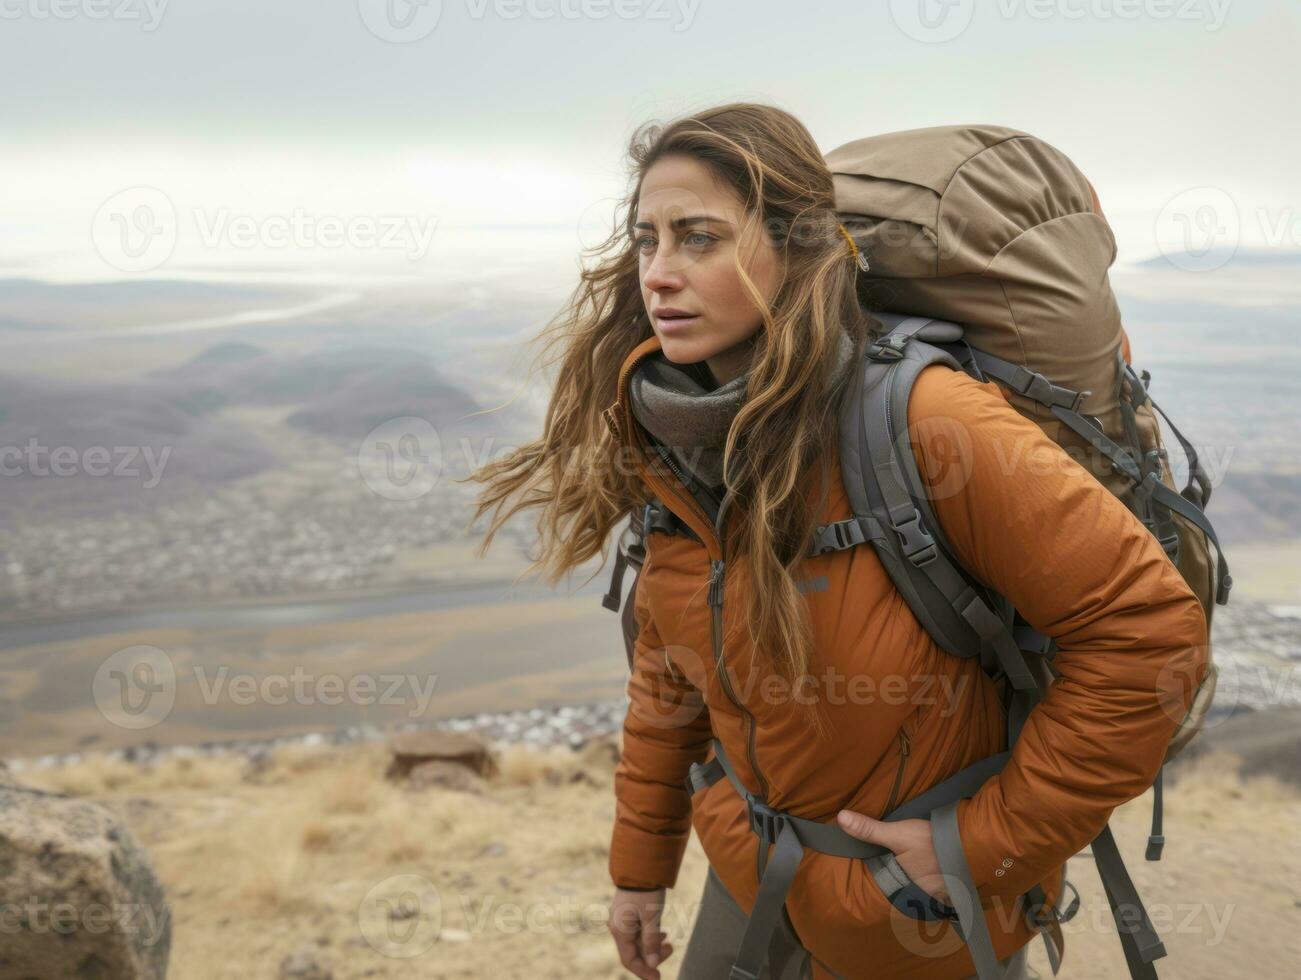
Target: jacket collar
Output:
[(618, 416), (662, 484)]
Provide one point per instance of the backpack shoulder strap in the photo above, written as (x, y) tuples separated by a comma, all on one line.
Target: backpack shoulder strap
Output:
[(889, 496), (886, 490)]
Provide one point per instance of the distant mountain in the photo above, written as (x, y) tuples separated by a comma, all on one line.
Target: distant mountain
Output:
[(95, 442), (1272, 258), (76, 306), (368, 398), (233, 351), (134, 292), (341, 392)]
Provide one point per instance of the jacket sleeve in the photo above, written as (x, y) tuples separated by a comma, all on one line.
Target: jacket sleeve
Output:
[(1032, 523), (666, 729)]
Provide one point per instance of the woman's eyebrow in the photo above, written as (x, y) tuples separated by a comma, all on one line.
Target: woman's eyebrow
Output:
[(676, 223)]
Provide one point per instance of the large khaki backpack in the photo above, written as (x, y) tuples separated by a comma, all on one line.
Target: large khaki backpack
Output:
[(986, 250), (996, 230)]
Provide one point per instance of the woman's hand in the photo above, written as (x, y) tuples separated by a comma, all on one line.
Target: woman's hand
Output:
[(911, 842), (635, 925)]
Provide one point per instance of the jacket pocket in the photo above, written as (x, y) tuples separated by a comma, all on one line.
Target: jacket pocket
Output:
[(905, 747)]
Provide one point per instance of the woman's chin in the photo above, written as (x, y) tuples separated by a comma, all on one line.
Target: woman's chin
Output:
[(684, 350)]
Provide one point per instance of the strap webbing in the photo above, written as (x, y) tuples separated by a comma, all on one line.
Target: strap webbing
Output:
[(1156, 840), (613, 597), (1198, 482), (632, 555), (1043, 915), (827, 838), (1153, 487), (1185, 508), (962, 892), (775, 883), (994, 633), (1029, 638), (1138, 938)]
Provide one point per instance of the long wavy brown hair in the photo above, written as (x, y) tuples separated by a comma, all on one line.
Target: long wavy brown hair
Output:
[(783, 432)]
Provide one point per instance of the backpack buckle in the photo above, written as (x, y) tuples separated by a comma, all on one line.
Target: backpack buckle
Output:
[(887, 348), (918, 545), (766, 822)]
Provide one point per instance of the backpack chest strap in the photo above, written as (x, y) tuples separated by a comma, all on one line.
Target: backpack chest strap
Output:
[(840, 535), (656, 516)]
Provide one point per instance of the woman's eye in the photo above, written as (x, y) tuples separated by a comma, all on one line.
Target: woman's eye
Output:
[(694, 239)]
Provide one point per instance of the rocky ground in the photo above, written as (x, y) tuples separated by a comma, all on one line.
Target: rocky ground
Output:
[(319, 857), (304, 861)]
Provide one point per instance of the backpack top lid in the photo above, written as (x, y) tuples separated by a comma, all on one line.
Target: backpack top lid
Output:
[(992, 228)]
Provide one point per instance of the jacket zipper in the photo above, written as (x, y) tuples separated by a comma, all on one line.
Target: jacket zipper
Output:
[(715, 596), (904, 745), (718, 570), (672, 464)]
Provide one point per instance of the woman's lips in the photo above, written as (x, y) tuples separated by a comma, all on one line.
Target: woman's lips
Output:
[(673, 324)]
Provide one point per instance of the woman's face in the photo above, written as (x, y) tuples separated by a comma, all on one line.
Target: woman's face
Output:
[(689, 231)]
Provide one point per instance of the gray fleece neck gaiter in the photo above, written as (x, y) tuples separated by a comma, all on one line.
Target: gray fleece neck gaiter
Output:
[(689, 418)]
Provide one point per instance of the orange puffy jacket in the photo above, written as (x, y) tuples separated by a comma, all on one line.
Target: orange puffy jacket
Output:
[(1032, 524)]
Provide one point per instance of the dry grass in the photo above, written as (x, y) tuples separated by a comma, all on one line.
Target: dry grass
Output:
[(260, 861)]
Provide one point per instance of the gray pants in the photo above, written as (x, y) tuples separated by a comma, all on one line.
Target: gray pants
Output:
[(717, 934)]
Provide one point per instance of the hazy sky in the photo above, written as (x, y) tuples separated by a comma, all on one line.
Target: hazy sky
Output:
[(516, 112)]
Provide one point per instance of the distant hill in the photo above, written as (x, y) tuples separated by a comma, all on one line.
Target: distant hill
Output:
[(1266, 742), (102, 432), (1273, 258), (341, 393), (76, 306)]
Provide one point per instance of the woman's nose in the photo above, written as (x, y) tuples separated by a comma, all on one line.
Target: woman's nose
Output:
[(665, 272)]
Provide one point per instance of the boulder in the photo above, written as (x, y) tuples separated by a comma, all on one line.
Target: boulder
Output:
[(80, 897), (411, 749), (439, 773)]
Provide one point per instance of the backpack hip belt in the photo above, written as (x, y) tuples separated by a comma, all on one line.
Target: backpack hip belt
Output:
[(789, 835)]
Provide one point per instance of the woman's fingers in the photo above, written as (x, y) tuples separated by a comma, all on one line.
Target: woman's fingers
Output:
[(651, 937), (629, 947), (910, 840), (642, 945)]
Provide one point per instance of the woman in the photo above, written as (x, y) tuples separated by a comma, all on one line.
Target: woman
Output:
[(703, 360)]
